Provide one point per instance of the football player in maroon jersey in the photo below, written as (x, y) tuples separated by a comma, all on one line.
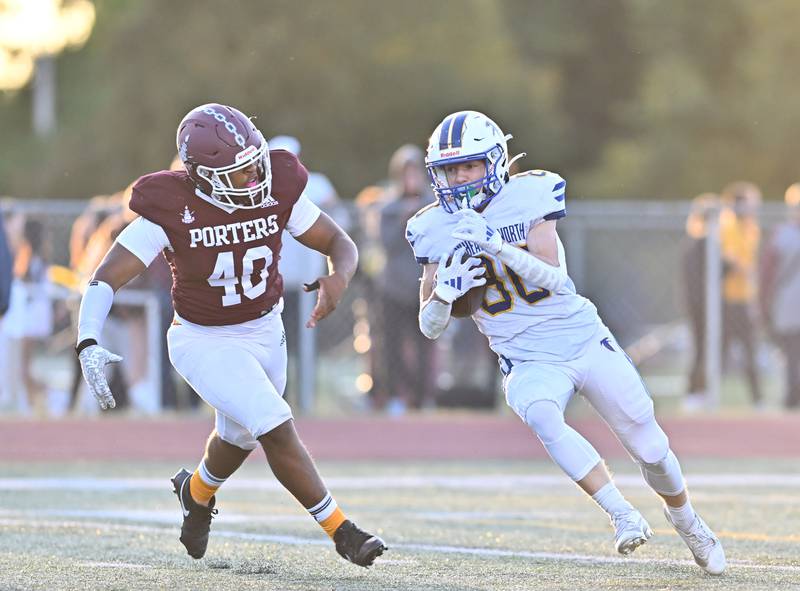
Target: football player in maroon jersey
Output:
[(219, 223)]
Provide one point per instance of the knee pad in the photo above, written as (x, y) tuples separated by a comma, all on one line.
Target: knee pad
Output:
[(646, 442), (567, 448), (665, 476)]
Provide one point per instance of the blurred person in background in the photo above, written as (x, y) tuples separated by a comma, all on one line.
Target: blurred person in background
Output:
[(740, 235), (369, 202), (29, 321), (693, 261), (549, 340), (6, 277), (780, 292), (407, 361), (219, 223), (299, 264)]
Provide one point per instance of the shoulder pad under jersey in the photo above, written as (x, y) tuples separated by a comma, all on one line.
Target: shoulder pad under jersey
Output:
[(159, 193), (426, 229), (540, 193), (289, 176)]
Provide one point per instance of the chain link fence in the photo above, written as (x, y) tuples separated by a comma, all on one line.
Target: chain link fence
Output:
[(625, 256)]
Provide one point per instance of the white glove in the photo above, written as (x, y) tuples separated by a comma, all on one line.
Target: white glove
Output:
[(472, 227), (93, 361), (456, 278)]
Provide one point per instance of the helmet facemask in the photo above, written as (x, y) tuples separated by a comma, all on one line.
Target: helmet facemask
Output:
[(226, 192), (474, 194)]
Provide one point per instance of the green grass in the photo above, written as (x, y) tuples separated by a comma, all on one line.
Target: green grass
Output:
[(485, 533)]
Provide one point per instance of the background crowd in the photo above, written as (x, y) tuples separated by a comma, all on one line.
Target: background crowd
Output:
[(403, 371)]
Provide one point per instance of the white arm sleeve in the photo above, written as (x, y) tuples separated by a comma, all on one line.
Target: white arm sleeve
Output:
[(144, 239), (304, 214), (533, 269), (434, 317), (95, 305)]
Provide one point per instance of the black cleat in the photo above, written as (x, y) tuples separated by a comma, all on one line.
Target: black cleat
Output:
[(196, 517), (356, 545)]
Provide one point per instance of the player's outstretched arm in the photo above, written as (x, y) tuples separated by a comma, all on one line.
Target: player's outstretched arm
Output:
[(117, 268), (327, 237)]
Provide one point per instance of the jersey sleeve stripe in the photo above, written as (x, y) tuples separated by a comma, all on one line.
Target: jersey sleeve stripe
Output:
[(556, 215), (560, 185), (423, 260)]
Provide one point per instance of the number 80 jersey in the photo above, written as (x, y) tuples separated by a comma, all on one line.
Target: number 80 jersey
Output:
[(522, 322), (224, 260)]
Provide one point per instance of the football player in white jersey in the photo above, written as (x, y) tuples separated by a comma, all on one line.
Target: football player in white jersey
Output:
[(549, 340)]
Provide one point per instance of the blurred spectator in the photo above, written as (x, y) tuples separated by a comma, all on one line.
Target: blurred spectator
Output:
[(739, 241), (694, 290), (298, 264), (369, 202), (780, 292), (407, 362), (29, 320), (6, 268)]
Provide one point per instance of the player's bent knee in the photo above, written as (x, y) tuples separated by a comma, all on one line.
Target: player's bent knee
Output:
[(664, 476), (646, 442), (546, 419)]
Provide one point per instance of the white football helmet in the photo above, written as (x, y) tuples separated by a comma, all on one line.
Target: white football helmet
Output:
[(462, 137)]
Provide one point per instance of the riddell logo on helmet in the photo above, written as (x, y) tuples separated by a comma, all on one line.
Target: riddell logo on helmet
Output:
[(451, 153), (244, 154)]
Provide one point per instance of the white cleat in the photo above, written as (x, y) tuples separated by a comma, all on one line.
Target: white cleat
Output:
[(704, 545), (631, 531)]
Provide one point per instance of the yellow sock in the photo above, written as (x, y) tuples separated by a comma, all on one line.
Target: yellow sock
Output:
[(328, 514), (200, 490), (332, 523)]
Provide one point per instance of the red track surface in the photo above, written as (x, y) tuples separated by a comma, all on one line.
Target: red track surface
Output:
[(439, 437)]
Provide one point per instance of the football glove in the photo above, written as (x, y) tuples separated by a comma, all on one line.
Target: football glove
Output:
[(456, 275), (93, 362), (472, 227)]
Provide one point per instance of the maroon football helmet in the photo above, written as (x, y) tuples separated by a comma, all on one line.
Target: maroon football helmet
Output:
[(215, 141)]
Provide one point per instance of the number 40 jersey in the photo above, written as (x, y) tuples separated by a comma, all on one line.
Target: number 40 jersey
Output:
[(523, 322), (224, 260)]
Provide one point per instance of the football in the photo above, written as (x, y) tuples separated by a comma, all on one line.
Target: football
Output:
[(469, 303)]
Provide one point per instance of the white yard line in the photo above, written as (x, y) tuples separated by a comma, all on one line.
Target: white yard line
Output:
[(481, 482), (424, 548)]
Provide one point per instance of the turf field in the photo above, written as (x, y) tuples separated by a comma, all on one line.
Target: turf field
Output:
[(455, 525)]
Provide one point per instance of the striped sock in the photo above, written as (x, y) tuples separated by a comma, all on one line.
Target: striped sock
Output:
[(203, 484), (327, 514)]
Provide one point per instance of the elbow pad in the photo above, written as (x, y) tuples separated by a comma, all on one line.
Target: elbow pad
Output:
[(533, 269), (433, 318)]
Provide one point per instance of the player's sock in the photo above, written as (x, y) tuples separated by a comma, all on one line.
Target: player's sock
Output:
[(682, 517), (611, 500), (327, 514), (203, 484)]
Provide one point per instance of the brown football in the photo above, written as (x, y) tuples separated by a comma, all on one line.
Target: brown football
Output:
[(469, 303)]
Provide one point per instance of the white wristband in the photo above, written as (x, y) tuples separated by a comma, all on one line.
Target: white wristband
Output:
[(433, 318), (532, 269), (95, 306)]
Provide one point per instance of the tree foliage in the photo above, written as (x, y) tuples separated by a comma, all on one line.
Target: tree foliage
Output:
[(628, 98)]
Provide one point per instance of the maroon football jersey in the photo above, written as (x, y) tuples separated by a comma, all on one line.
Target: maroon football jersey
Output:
[(224, 265)]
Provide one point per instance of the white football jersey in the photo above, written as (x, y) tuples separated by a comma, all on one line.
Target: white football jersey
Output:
[(523, 322)]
